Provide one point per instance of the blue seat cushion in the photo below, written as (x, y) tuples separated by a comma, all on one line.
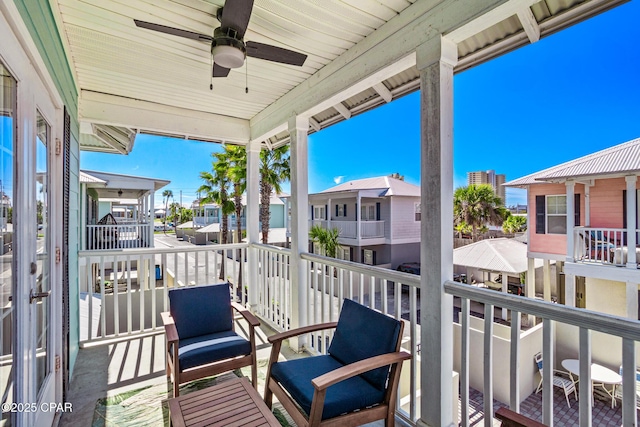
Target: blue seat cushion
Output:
[(346, 396), (201, 310), (363, 333), (211, 348)]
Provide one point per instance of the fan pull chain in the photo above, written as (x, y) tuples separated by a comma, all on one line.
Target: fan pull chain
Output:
[(246, 75), (211, 68)]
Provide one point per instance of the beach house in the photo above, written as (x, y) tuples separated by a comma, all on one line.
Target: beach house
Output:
[(111, 70)]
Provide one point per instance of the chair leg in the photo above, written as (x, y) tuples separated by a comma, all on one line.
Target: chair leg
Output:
[(254, 374), (176, 386), (566, 396)]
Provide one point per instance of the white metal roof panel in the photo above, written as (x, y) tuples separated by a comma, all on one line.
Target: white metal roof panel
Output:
[(387, 186), (622, 158), (500, 255)]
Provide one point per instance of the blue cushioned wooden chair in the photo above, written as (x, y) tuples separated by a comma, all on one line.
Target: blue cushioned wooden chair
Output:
[(201, 340), (355, 383)]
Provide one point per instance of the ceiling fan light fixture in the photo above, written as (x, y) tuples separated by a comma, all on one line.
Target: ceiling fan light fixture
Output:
[(227, 56)]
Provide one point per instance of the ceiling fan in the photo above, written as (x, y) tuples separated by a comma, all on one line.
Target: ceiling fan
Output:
[(228, 47)]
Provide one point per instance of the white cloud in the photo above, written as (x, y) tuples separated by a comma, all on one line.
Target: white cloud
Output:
[(338, 179)]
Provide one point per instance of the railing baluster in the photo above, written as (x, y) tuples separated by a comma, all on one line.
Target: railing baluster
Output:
[(547, 372), (413, 336), (165, 284), (586, 388), (488, 365), (103, 311), (141, 281), (116, 308), (129, 304), (629, 396), (514, 368), (383, 291), (464, 363)]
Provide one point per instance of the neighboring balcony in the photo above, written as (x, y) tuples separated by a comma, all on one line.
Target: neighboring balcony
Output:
[(119, 236), (605, 246), (349, 229)]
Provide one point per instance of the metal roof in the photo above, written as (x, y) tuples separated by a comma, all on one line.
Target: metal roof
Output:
[(620, 159), (361, 53), (500, 255), (386, 185), (86, 178)]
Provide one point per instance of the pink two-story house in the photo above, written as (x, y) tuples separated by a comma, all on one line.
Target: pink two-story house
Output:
[(583, 214)]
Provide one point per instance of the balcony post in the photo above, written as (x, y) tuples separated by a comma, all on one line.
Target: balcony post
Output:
[(530, 285), (358, 217), (569, 279), (435, 60), (298, 128), (151, 211), (631, 221), (252, 215), (328, 214)]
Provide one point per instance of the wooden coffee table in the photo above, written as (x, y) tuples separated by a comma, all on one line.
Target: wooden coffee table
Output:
[(231, 403)]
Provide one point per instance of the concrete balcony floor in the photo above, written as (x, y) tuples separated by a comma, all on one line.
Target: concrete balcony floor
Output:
[(111, 369)]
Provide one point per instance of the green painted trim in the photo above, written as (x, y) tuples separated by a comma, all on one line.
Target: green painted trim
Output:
[(38, 17)]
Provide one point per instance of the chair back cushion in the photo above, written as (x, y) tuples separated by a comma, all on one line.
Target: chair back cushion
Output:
[(362, 333), (201, 310)]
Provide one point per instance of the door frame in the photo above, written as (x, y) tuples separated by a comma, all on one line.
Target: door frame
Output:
[(36, 91)]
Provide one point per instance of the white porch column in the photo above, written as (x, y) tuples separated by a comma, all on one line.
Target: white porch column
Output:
[(631, 221), (328, 214), (435, 60), (252, 215), (530, 285), (587, 204), (83, 217), (358, 217), (546, 280), (505, 290), (298, 128), (150, 212), (571, 223)]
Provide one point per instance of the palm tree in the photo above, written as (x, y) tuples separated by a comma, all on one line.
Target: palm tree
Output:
[(216, 190), (237, 172), (166, 195), (477, 206), (274, 170), (327, 239)]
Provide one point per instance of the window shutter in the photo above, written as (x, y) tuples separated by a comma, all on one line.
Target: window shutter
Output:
[(377, 213), (576, 207), (66, 189), (326, 212), (540, 214), (336, 210), (374, 258), (345, 209), (312, 209)]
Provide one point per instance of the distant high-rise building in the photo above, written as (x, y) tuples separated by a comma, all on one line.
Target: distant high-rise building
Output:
[(489, 177)]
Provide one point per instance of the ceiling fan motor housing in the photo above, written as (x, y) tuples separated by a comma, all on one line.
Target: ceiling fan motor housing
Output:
[(227, 48)]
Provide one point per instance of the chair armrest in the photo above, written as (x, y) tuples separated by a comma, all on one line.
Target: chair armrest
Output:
[(249, 317), (300, 331), (170, 329), (357, 368)]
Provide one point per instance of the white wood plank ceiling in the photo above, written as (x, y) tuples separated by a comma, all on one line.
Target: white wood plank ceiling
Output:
[(122, 70)]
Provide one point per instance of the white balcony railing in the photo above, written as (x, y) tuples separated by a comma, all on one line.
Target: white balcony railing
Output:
[(349, 229), (123, 292), (120, 236), (134, 291), (606, 246)]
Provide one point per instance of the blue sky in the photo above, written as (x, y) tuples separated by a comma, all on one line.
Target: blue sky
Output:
[(568, 95)]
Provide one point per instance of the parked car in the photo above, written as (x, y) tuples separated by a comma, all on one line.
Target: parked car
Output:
[(409, 267)]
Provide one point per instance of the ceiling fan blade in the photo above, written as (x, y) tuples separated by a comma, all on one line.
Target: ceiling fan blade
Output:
[(275, 54), (236, 14), (220, 71), (173, 31)]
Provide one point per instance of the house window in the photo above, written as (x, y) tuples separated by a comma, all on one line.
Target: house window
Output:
[(557, 214), (318, 212), (417, 211), (340, 210), (345, 253), (368, 212), (368, 257)]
